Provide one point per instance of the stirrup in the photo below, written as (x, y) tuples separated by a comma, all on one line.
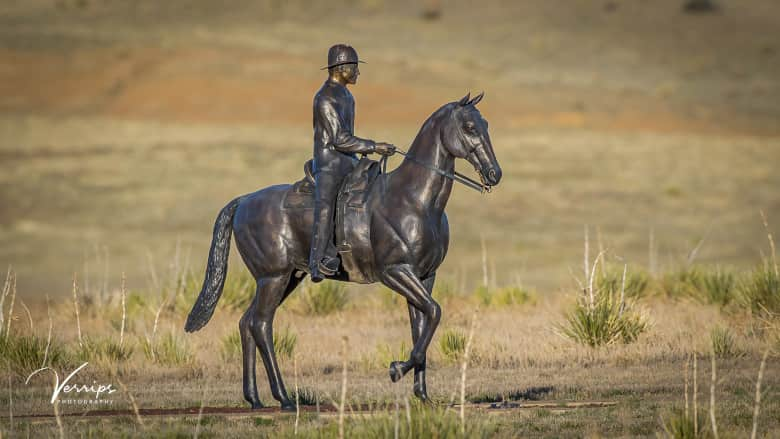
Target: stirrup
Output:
[(328, 265)]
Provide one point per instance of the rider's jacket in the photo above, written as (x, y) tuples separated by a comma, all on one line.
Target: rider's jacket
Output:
[(335, 145)]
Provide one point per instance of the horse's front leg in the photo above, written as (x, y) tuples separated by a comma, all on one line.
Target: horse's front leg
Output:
[(417, 320), (401, 279)]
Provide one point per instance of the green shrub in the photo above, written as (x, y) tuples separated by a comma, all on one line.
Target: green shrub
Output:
[(452, 345), (324, 298), (610, 281), (723, 342), (679, 426), (684, 283), (718, 286), (168, 350), (760, 291), (25, 353), (603, 323), (103, 351), (513, 296)]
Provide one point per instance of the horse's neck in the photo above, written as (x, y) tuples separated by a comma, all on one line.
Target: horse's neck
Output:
[(424, 186)]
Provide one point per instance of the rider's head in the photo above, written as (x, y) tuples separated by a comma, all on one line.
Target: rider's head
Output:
[(343, 64)]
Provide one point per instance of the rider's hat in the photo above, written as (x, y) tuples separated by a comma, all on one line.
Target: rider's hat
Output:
[(341, 54)]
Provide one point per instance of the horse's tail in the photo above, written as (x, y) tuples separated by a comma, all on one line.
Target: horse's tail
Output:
[(216, 270)]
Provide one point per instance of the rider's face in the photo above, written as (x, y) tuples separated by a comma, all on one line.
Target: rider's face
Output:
[(350, 73)]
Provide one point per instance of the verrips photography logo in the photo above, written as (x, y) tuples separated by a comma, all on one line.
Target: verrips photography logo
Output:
[(72, 392)]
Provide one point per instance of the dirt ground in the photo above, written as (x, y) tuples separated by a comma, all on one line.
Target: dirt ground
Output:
[(124, 127)]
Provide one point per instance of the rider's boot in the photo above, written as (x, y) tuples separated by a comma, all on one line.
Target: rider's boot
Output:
[(323, 260)]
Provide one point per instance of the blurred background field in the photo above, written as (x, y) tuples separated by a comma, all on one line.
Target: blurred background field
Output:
[(126, 126)]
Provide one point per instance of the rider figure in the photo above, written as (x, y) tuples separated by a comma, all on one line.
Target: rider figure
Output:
[(335, 149)]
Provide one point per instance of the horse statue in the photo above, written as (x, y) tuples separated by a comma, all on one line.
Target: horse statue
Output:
[(390, 228)]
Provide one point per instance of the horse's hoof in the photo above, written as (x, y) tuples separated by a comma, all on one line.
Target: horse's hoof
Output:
[(396, 371), (422, 396), (257, 405), (288, 407)]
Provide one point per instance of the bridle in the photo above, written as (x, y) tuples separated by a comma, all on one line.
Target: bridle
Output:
[(454, 176)]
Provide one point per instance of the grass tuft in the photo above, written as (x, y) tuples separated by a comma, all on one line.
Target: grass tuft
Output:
[(324, 298), (679, 426), (718, 286), (683, 283), (606, 322), (610, 280), (452, 345), (760, 291), (723, 342), (168, 350), (103, 351), (25, 353)]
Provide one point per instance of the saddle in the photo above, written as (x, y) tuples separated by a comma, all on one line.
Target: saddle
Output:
[(351, 221)]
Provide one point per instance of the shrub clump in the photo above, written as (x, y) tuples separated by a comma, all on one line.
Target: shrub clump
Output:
[(506, 296), (168, 350), (103, 351), (760, 291), (715, 286), (452, 345), (723, 342), (324, 298), (604, 322), (679, 425), (610, 281), (26, 353)]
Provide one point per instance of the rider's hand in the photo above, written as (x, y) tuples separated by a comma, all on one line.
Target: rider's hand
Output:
[(384, 148)]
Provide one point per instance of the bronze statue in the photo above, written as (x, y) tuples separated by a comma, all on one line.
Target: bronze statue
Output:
[(389, 228), (335, 146)]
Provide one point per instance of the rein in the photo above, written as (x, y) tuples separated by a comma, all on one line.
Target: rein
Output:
[(455, 176)]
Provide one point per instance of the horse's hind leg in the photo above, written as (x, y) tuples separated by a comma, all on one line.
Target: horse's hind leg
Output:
[(417, 320), (249, 350), (271, 291)]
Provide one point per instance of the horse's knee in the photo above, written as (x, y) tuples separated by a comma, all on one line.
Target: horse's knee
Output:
[(418, 358), (434, 313)]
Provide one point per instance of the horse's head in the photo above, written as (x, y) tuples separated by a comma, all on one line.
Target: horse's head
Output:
[(465, 135)]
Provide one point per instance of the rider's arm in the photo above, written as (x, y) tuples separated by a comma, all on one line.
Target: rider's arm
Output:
[(342, 139)]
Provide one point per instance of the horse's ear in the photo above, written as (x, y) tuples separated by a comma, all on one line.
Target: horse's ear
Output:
[(465, 101), (476, 99)]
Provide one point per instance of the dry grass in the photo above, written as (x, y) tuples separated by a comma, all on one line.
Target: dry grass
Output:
[(517, 355)]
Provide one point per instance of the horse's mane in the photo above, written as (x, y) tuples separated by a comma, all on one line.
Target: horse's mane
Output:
[(433, 120)]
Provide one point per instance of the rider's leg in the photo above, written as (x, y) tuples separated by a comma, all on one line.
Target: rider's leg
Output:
[(323, 258), (401, 279)]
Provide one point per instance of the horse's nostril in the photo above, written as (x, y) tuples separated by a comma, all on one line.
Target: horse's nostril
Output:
[(492, 174)]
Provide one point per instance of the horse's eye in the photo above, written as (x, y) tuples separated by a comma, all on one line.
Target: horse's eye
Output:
[(470, 127)]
